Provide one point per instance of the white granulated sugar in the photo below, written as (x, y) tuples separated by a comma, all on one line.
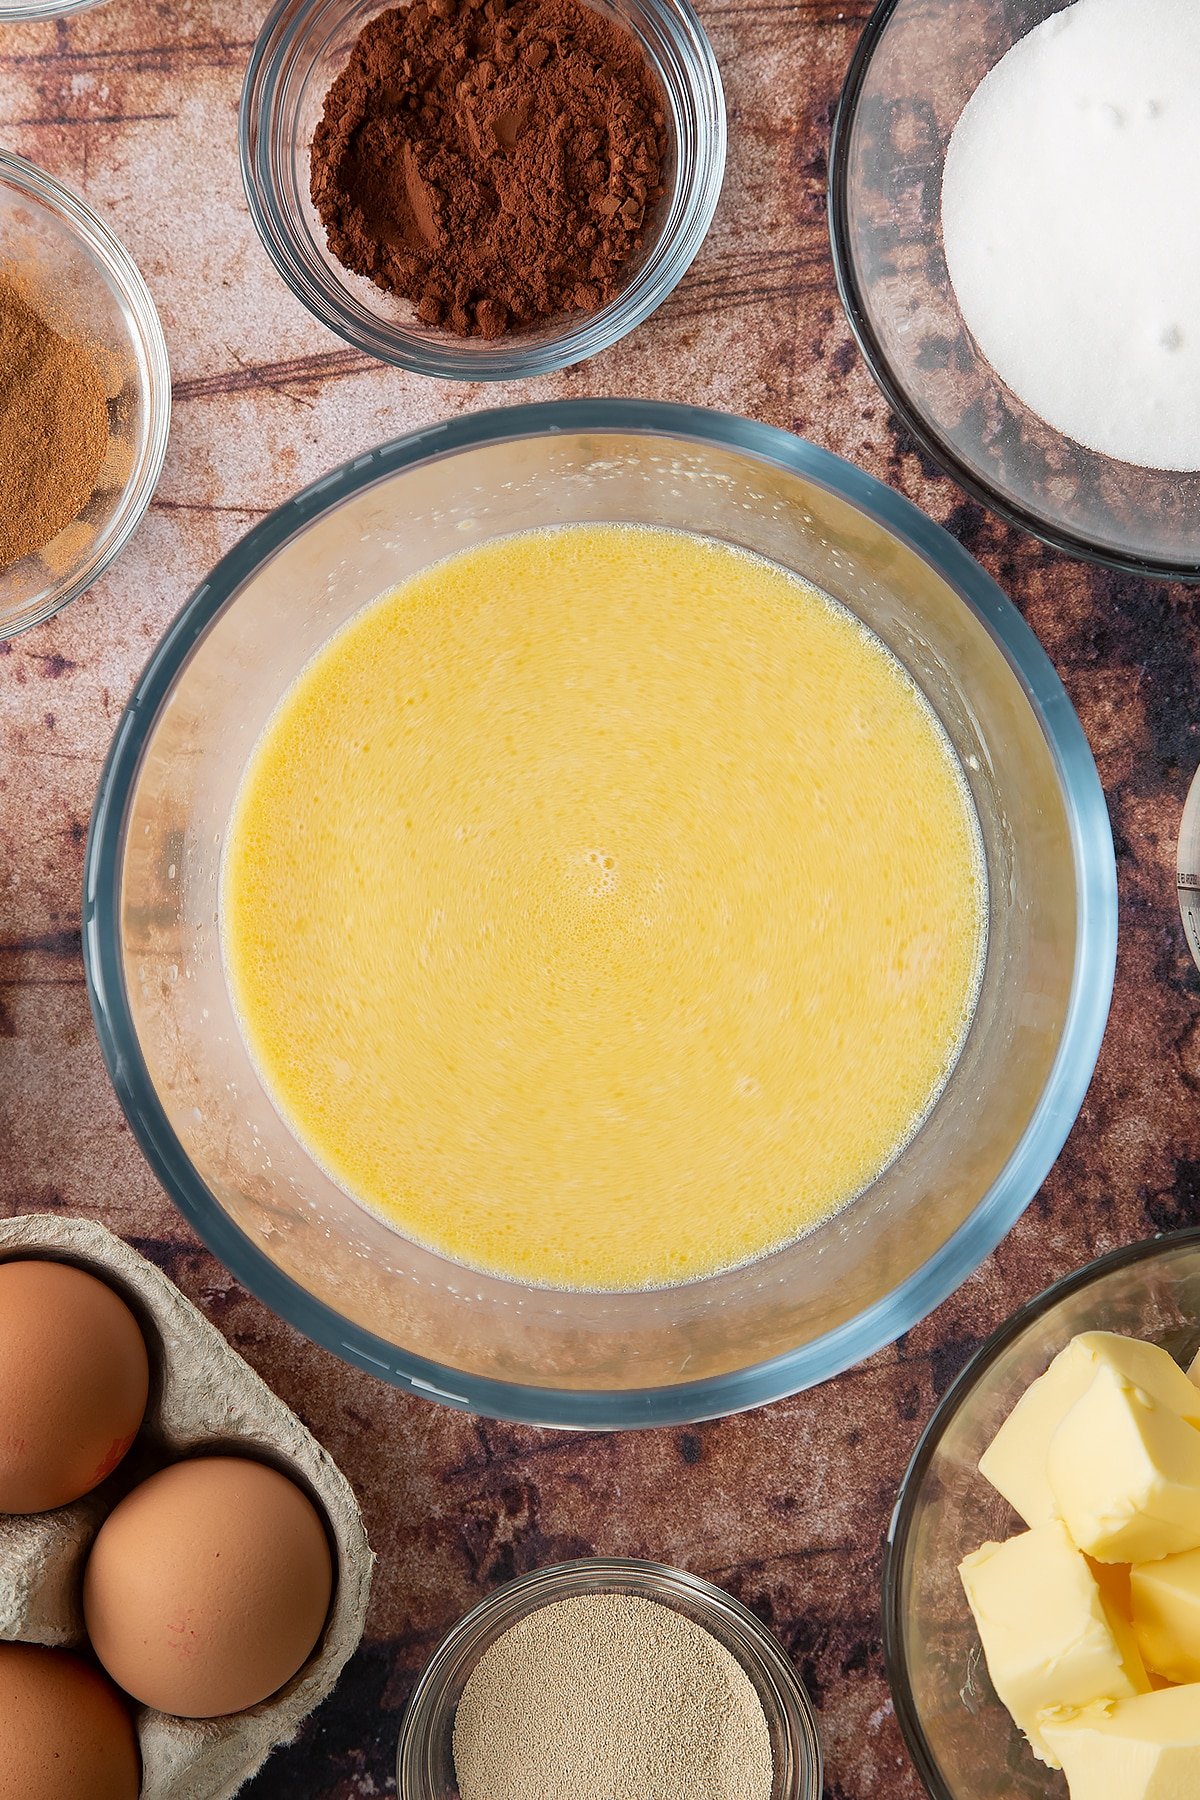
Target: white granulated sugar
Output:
[(1071, 218)]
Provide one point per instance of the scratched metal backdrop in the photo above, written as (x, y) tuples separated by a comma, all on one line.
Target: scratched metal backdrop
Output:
[(135, 104)]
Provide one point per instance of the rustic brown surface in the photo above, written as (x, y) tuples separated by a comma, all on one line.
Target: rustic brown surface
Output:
[(135, 104)]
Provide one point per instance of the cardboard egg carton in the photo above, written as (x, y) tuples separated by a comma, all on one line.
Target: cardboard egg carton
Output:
[(202, 1396)]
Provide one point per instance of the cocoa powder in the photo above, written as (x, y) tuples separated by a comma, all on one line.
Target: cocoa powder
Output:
[(495, 164)]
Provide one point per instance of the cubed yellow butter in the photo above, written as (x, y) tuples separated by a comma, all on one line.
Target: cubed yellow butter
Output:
[(1194, 1369), (1015, 1460), (1165, 1598), (1117, 1600), (1113, 1580), (1044, 1628), (1146, 1748), (1125, 1473)]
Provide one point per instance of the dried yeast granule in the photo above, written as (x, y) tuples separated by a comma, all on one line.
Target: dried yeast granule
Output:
[(610, 1697)]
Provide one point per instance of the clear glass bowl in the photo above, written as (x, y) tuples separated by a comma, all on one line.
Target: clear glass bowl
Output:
[(1187, 876), (425, 1769), (917, 64), (961, 1738), (19, 12), (352, 1282), (92, 289), (305, 44)]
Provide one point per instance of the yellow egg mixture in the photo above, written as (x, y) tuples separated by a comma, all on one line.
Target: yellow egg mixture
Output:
[(604, 907)]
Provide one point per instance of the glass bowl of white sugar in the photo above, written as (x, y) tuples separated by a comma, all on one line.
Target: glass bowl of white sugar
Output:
[(609, 1678), (1011, 185)]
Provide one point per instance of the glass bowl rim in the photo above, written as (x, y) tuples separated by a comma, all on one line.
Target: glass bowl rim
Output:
[(1186, 858), (1073, 544), (149, 349), (559, 1580), (997, 1210), (28, 12), (508, 359), (908, 1715)]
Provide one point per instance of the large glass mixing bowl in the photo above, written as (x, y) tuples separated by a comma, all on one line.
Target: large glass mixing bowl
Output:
[(181, 1068)]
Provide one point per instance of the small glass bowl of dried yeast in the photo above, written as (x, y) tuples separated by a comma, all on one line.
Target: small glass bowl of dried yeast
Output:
[(86, 406), (612, 1677)]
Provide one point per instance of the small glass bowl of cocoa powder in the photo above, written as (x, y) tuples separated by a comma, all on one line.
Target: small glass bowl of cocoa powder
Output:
[(304, 50), (427, 1766), (90, 375)]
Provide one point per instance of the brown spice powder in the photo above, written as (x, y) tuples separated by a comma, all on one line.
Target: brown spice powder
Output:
[(610, 1697), (496, 164), (53, 428)]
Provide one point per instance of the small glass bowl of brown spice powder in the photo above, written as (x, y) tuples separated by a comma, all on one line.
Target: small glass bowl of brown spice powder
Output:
[(482, 189), (609, 1679), (85, 395)]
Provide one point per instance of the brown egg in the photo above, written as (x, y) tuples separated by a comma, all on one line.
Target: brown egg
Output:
[(74, 1379), (65, 1732), (208, 1586)]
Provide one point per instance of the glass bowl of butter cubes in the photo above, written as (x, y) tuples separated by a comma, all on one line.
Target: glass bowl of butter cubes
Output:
[(1042, 1589)]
